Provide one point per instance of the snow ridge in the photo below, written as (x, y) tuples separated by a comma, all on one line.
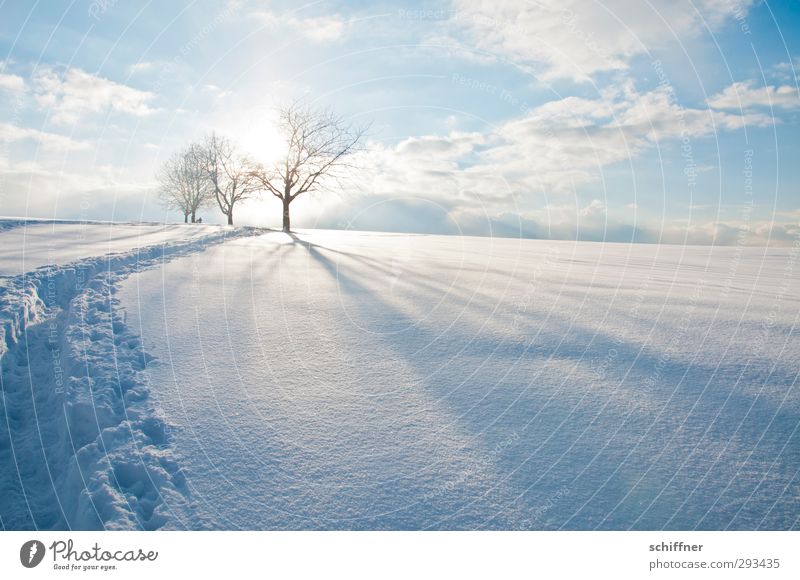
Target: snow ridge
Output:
[(81, 444)]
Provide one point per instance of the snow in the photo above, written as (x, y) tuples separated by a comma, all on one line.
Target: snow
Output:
[(350, 380), (27, 245), (375, 381), (81, 446)]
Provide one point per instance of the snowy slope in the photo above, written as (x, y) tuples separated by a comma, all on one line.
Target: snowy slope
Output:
[(25, 246), (81, 446), (220, 378), (372, 381)]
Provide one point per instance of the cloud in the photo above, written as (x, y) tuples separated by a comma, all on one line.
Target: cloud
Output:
[(215, 91), (793, 214), (552, 149), (745, 95), (544, 157), (12, 134), (72, 95), (595, 207), (140, 67), (318, 29), (47, 189), (730, 233), (11, 83), (578, 38), (559, 145), (785, 71), (567, 221)]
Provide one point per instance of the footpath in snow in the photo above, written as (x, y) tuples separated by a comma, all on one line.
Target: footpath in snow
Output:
[(81, 444), (376, 381), (27, 245)]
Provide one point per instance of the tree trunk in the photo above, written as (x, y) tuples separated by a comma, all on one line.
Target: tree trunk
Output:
[(193, 220), (186, 218), (287, 226), (230, 217)]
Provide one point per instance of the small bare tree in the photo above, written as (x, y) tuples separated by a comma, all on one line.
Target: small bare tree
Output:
[(319, 146), (183, 184), (233, 177)]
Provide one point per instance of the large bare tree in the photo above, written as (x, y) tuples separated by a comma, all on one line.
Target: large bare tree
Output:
[(183, 184), (233, 177), (319, 146)]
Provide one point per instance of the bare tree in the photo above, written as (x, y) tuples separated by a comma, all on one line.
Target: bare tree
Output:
[(232, 176), (319, 146), (183, 184)]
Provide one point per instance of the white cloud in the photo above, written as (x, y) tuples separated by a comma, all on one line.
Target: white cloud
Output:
[(745, 95), (785, 71), (140, 67), (12, 133), (728, 233), (76, 93), (552, 150), (440, 148), (11, 83), (566, 143), (217, 92), (595, 207), (578, 38), (50, 189), (318, 28), (793, 214), (566, 221)]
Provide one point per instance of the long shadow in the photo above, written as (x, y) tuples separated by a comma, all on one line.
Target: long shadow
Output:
[(543, 424), (472, 297), (372, 263)]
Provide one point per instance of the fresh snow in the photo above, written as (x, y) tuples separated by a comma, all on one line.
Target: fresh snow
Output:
[(371, 381), (27, 245), (345, 380), (81, 446)]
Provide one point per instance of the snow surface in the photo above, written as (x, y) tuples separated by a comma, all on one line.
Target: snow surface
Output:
[(376, 381), (81, 446), (27, 245), (342, 380)]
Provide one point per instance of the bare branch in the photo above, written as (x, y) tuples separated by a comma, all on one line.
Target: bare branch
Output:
[(319, 144), (182, 182), (233, 177)]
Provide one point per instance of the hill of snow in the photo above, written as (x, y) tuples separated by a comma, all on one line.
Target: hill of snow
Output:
[(230, 378)]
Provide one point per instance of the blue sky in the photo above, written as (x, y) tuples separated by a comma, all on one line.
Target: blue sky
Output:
[(668, 121)]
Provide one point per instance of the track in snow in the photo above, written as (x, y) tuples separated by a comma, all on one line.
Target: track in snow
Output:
[(81, 445)]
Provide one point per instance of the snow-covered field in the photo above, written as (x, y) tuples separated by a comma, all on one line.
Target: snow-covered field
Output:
[(27, 246), (342, 380)]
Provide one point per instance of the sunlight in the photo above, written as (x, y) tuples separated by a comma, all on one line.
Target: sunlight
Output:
[(257, 134)]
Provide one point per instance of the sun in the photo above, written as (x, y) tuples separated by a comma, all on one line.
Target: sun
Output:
[(255, 132), (257, 135)]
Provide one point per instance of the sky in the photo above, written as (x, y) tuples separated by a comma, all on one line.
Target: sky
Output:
[(662, 121)]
